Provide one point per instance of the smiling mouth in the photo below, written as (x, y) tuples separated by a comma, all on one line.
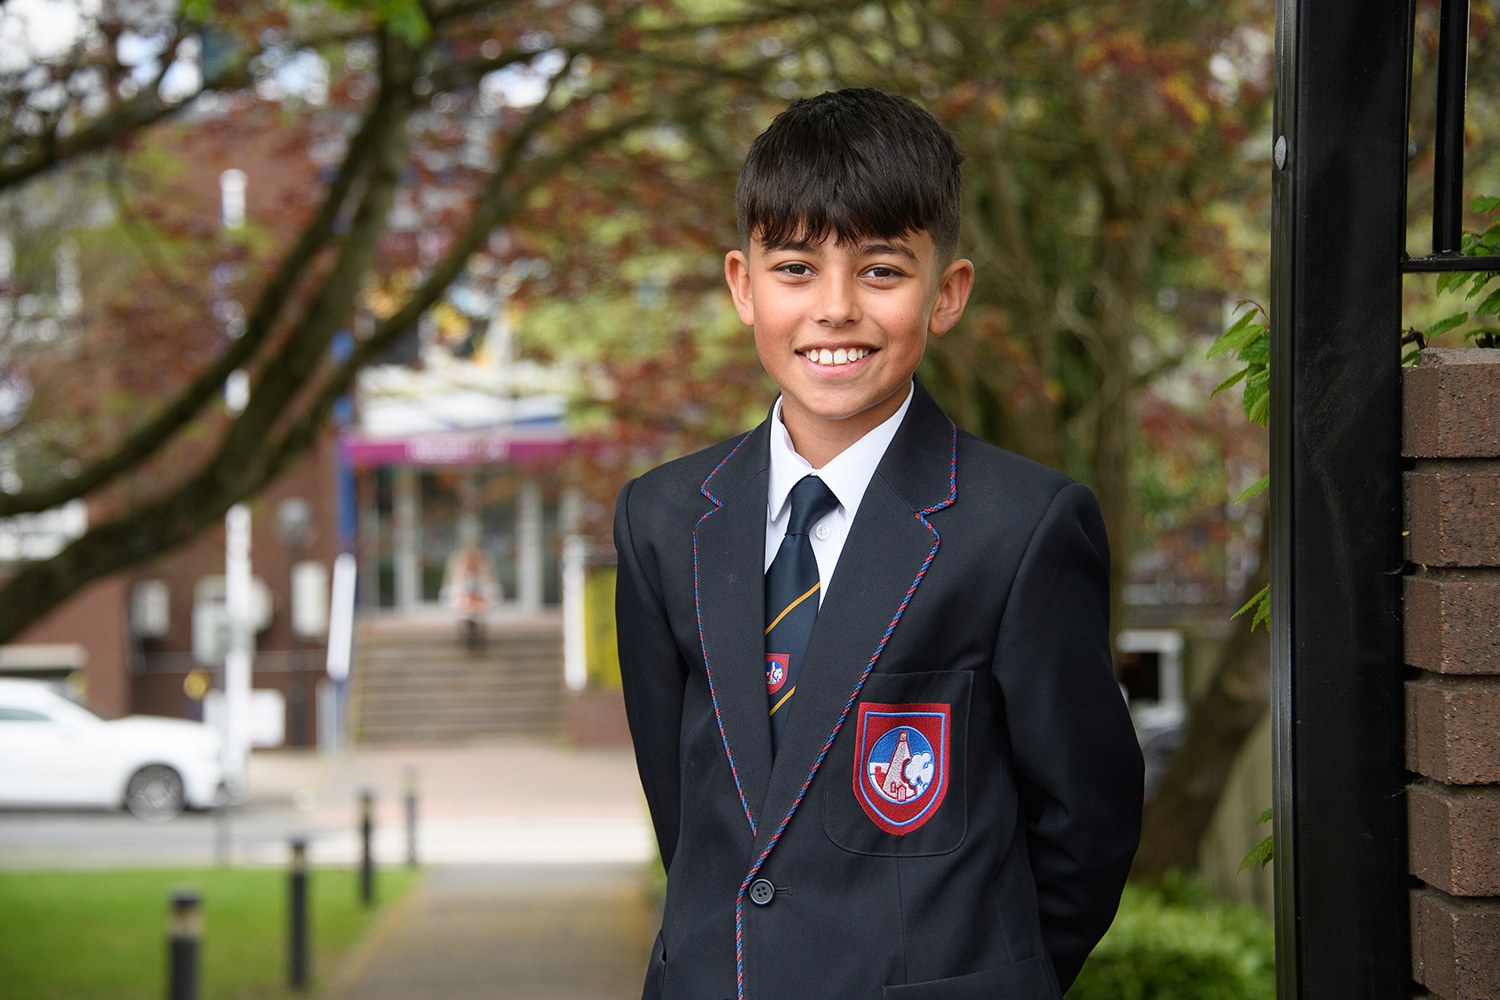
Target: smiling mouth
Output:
[(840, 356)]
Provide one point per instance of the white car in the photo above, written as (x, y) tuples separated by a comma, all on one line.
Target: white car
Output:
[(54, 752)]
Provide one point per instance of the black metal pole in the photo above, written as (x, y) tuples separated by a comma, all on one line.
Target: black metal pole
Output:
[(367, 834), (297, 955), (184, 929), (1448, 153), (1336, 662), (411, 817)]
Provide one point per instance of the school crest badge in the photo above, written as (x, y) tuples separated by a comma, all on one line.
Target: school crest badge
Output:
[(777, 665), (901, 761)]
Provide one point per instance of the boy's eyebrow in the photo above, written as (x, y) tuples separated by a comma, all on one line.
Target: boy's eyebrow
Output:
[(896, 249), (868, 250), (789, 246)]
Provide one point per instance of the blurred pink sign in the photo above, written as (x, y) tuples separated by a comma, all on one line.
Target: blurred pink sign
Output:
[(457, 448)]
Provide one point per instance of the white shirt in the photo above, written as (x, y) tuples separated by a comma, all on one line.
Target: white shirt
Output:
[(847, 475)]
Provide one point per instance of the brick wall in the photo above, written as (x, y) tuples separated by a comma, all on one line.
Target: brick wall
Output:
[(1451, 429)]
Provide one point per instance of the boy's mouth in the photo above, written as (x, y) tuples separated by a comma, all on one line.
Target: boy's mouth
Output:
[(837, 356)]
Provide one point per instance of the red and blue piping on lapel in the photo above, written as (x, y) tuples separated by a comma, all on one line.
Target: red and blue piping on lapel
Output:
[(703, 642), (921, 516)]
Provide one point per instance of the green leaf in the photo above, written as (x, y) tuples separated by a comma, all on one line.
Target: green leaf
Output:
[(1257, 352), (1484, 205), (1230, 382), (1243, 333), (1448, 279), (1262, 613), (1490, 305), (1442, 326), (1265, 817), (1261, 854), (1480, 280), (1410, 357), (1258, 395), (1261, 602), (1258, 486)]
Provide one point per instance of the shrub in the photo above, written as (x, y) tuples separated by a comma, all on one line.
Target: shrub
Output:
[(1173, 941)]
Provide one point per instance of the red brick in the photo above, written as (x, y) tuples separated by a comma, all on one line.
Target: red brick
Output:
[(1453, 623), (1451, 405), (1453, 515), (1452, 838), (1453, 729), (1455, 945)]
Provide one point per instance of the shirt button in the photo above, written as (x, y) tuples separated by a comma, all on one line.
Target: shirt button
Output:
[(823, 531), (762, 892)]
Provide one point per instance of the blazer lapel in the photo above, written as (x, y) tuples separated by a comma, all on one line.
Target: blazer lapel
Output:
[(887, 551), (729, 552)]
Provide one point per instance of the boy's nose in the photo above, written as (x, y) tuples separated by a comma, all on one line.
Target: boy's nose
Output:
[(836, 305)]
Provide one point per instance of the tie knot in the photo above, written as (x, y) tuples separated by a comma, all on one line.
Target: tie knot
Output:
[(811, 499)]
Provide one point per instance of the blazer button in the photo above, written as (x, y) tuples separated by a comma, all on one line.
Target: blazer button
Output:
[(762, 892)]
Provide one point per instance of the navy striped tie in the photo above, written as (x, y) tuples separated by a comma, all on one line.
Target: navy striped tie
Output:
[(792, 599)]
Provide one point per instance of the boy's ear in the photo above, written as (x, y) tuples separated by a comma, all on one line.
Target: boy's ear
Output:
[(737, 274), (952, 295)]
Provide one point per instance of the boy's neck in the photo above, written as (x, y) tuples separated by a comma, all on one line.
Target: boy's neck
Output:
[(819, 440)]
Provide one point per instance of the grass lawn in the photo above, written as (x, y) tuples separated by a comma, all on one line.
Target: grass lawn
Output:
[(81, 935)]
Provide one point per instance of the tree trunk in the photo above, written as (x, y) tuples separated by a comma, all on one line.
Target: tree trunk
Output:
[(1236, 700)]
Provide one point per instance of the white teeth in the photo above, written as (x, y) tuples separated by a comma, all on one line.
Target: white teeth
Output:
[(841, 356)]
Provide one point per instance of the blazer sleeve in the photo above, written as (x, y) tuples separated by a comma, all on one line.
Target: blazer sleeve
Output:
[(653, 675), (1077, 762)]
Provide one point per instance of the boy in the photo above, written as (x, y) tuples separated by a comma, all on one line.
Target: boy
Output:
[(865, 655)]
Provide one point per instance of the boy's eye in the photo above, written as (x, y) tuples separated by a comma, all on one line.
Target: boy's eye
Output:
[(883, 271), (794, 268)]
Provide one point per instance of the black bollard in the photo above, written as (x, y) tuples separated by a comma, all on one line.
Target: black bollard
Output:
[(411, 817), (184, 929), (297, 956), (367, 833)]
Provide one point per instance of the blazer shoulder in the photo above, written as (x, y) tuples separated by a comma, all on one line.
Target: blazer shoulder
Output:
[(672, 493), (993, 471), (686, 475)]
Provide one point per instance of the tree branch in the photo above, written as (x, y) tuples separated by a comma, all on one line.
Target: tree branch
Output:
[(148, 438)]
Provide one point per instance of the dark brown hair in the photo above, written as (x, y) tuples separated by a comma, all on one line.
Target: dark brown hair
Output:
[(859, 164)]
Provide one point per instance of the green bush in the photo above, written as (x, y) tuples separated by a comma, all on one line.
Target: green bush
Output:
[(1175, 942)]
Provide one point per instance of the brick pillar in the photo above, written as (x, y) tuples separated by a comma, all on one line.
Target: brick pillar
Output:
[(1451, 428)]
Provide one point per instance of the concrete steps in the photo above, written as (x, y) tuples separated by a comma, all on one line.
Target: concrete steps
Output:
[(415, 682)]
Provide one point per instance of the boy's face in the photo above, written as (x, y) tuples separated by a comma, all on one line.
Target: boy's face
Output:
[(841, 327)]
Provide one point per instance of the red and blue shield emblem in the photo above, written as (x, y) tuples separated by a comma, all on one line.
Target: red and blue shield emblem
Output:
[(901, 763), (777, 665)]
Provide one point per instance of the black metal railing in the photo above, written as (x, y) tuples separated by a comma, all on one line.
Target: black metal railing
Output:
[(1448, 150)]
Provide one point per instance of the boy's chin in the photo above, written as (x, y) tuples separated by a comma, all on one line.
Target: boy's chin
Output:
[(834, 405)]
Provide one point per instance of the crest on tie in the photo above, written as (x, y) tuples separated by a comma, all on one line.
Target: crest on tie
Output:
[(777, 665), (901, 763)]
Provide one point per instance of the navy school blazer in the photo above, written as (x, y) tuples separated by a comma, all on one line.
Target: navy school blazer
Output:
[(957, 796)]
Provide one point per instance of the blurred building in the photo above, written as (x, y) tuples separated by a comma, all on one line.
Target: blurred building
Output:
[(448, 441)]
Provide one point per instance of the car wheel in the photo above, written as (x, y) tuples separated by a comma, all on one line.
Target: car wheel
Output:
[(154, 793)]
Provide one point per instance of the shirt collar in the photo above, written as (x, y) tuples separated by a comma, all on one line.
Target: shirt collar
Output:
[(847, 474)]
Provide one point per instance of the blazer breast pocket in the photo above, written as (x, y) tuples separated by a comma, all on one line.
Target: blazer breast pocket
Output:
[(896, 778)]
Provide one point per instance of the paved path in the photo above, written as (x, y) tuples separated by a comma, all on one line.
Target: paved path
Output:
[(533, 932), (501, 803)]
